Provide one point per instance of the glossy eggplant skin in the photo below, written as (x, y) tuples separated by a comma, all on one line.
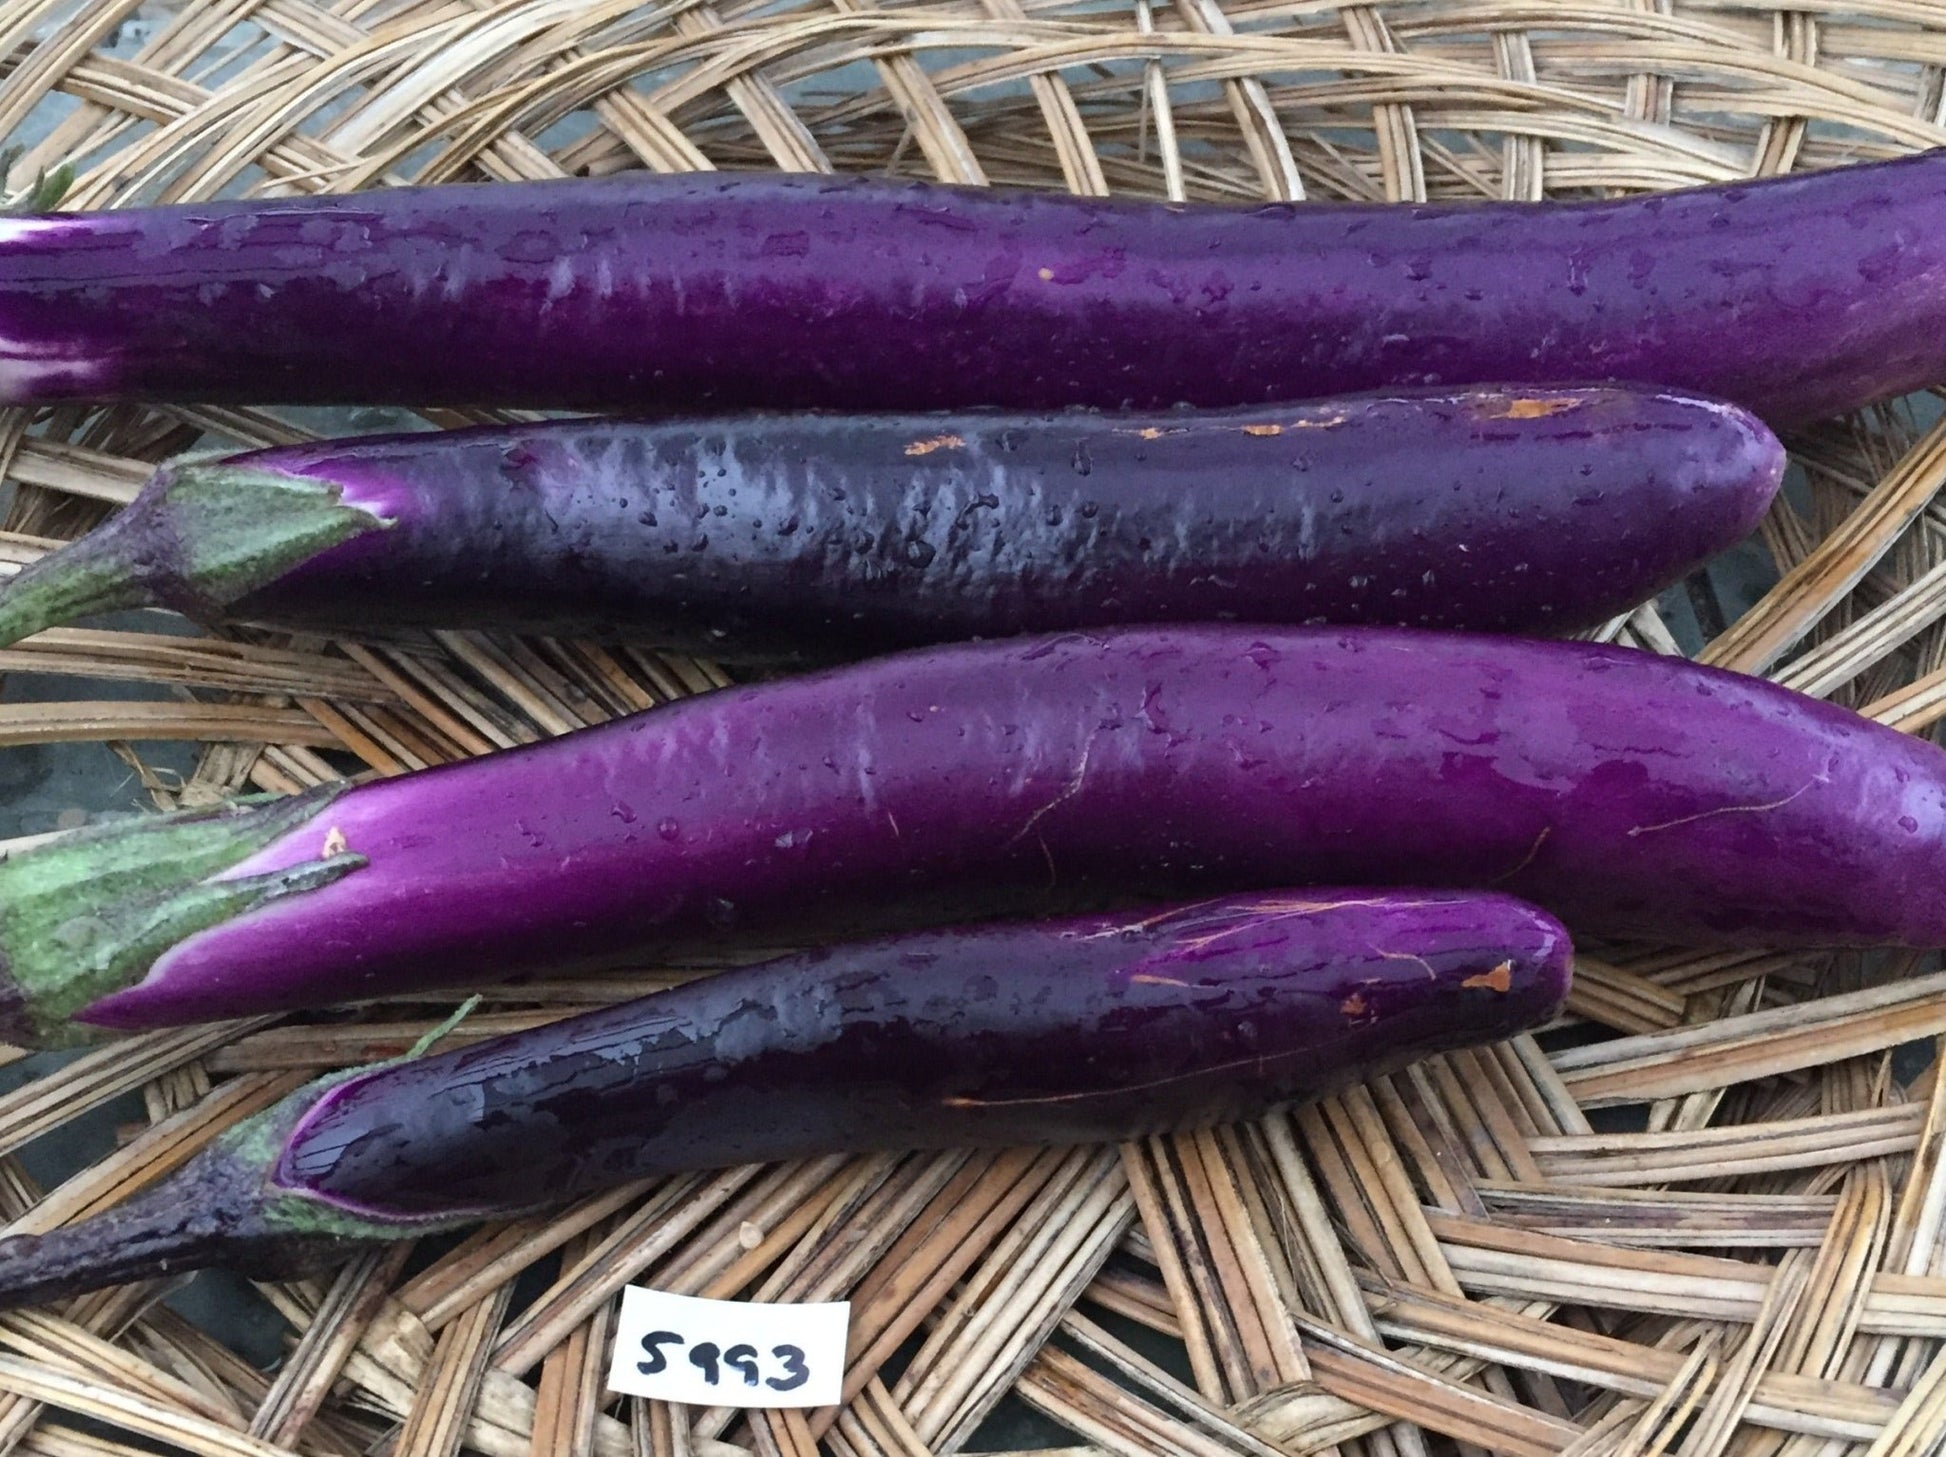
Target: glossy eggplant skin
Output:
[(1626, 793), (818, 538), (1075, 1031), (1798, 297), (1086, 1030)]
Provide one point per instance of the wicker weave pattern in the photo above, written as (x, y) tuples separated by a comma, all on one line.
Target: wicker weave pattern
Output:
[(1396, 101), (1453, 1255)]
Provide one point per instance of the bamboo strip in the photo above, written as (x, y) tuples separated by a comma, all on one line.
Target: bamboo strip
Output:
[(1759, 1044), (572, 1387), (1779, 1400), (126, 1411), (313, 1367), (436, 1424)]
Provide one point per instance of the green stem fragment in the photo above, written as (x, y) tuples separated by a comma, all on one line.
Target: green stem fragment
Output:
[(46, 193), (199, 538)]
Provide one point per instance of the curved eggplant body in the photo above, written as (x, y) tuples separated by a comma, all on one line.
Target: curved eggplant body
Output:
[(1625, 792), (1080, 1031), (1797, 297), (1006, 1035)]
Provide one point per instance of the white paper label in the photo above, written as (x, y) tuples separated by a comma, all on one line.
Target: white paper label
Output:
[(729, 1352)]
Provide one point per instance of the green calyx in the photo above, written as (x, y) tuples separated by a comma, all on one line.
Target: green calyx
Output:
[(89, 913), (238, 528), (290, 1212), (200, 537), (258, 1144), (224, 1206)]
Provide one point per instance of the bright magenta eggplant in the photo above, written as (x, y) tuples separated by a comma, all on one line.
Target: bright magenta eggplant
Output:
[(1797, 297), (1625, 792)]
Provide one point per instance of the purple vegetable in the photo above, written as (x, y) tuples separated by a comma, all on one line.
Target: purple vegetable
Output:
[(1797, 297), (1627, 793), (1091, 1030), (824, 537)]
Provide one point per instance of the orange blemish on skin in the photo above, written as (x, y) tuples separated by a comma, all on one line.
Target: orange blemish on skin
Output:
[(937, 442), (1263, 429), (1531, 409), (1047, 275), (334, 842), (1355, 1005), (1500, 979)]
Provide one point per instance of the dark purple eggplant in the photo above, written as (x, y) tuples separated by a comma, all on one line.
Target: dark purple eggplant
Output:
[(1628, 793), (794, 537), (1096, 1029), (1797, 297)]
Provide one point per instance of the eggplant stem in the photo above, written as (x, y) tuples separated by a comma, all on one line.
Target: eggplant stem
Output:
[(199, 538), (208, 1214), (224, 1207), (90, 575), (137, 1240)]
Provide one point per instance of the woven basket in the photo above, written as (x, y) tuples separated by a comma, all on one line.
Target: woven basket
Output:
[(1750, 1262)]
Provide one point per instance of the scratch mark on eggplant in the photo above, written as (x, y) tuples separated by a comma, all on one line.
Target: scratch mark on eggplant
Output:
[(1431, 975), (1146, 923), (1730, 809), (1068, 792), (1265, 912), (1528, 859)]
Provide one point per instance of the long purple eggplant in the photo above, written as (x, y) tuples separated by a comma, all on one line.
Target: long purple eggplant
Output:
[(821, 537), (1088, 1030), (1797, 297), (1627, 793)]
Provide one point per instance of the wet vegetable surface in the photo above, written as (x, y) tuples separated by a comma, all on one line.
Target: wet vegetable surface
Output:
[(1625, 792), (825, 537), (1094, 1029), (1799, 297), (1097, 1028)]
